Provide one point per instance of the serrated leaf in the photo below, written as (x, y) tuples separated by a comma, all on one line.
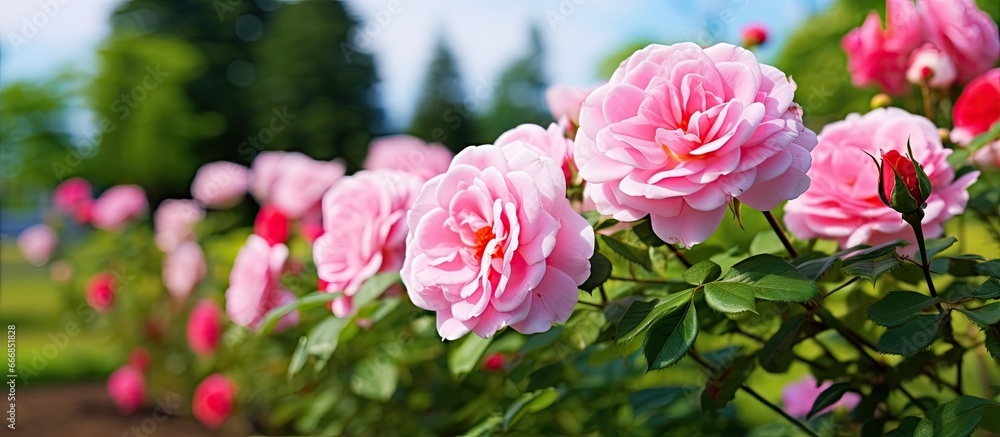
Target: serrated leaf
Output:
[(527, 403), (702, 272), (911, 337), (600, 271), (985, 315), (464, 357), (993, 341), (722, 388), (872, 263), (670, 337), (772, 278), (730, 297), (957, 418), (935, 246), (776, 354), (640, 315), (632, 253), (898, 306), (828, 397)]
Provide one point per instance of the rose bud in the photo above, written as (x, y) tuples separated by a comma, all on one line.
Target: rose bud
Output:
[(101, 292), (903, 185), (127, 388), (494, 362), (204, 328), (271, 225), (213, 400), (754, 35)]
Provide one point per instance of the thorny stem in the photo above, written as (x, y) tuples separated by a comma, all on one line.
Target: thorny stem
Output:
[(680, 255), (781, 234)]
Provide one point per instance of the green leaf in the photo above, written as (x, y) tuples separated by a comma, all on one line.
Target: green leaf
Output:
[(985, 315), (722, 389), (374, 287), (872, 263), (600, 271), (486, 427), (898, 306), (935, 246), (766, 242), (989, 268), (988, 290), (462, 359), (906, 427), (375, 378), (654, 399), (640, 315), (957, 418), (702, 272), (670, 337), (298, 360), (730, 297), (828, 397), (311, 300), (911, 337), (323, 338), (985, 137), (644, 230), (993, 341), (776, 354), (527, 403), (592, 217), (771, 278), (632, 253)]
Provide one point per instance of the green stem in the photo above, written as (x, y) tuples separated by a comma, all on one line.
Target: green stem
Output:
[(604, 295), (781, 234), (842, 286), (641, 280), (925, 264), (680, 255)]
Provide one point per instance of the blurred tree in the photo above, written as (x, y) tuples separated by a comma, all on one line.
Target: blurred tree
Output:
[(311, 68), (519, 96), (443, 115)]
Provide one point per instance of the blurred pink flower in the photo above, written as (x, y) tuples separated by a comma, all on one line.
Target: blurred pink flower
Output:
[(271, 225), (754, 35), (255, 283), (220, 184), (37, 243), (291, 181), (183, 269), (977, 108), (127, 388), (928, 64), (988, 156), (364, 218), (494, 242), (880, 56), (74, 197), (843, 203), (174, 222), (550, 142), (680, 131), (100, 291), (798, 398), (213, 400), (117, 205), (408, 154), (204, 327), (964, 33), (565, 101), (311, 225)]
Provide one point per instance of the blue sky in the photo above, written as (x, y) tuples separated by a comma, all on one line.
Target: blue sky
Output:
[(485, 35)]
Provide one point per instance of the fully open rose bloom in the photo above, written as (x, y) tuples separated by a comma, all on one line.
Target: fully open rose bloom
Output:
[(37, 243), (364, 217), (213, 400), (964, 33), (74, 197), (291, 181), (220, 184), (798, 398), (679, 131), (174, 221), (843, 202), (494, 242), (408, 154), (255, 284), (881, 56), (204, 327), (127, 388), (566, 101), (183, 269), (929, 66), (549, 142), (978, 108), (117, 205)]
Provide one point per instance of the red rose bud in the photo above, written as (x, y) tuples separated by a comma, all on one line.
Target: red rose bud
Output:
[(903, 185), (101, 291), (754, 35), (271, 225), (494, 362)]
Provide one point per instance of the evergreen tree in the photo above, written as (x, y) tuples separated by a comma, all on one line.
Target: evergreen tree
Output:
[(520, 94), (442, 114)]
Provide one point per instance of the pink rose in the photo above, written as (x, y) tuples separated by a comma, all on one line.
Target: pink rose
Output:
[(843, 203), (220, 184), (291, 181), (74, 197), (566, 101), (255, 283), (204, 327), (978, 108), (364, 219), (37, 243), (101, 291), (964, 33), (127, 388), (549, 142), (798, 398), (880, 56), (929, 65), (680, 131), (174, 221), (408, 154), (117, 205), (494, 242), (213, 400), (183, 269)]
